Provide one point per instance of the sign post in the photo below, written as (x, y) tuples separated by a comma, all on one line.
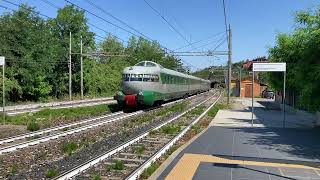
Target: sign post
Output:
[(2, 63), (270, 67)]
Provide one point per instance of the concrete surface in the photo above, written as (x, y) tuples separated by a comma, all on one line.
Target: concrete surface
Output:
[(231, 137)]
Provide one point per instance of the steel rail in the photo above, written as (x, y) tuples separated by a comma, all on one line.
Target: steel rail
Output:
[(72, 131), (135, 174), (84, 166)]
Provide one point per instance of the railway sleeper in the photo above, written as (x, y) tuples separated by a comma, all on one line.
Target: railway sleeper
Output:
[(133, 156), (159, 141), (125, 160)]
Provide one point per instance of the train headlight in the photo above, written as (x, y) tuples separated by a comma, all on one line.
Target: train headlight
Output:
[(140, 93)]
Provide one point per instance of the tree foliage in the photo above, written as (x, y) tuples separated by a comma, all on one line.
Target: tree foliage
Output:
[(37, 55), (301, 51)]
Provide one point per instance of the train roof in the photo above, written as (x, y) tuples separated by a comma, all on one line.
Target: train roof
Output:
[(165, 70)]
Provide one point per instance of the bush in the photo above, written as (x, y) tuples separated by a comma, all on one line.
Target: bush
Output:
[(33, 126), (51, 173), (69, 147), (140, 149), (96, 177), (214, 110), (170, 129), (151, 169), (118, 165)]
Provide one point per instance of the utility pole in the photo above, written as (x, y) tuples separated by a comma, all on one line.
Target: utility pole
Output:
[(81, 59), (70, 80), (229, 63), (240, 81)]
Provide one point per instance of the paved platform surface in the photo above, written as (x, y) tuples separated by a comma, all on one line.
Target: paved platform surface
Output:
[(233, 150)]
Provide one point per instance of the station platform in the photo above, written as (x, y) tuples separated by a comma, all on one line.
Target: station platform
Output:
[(231, 149)]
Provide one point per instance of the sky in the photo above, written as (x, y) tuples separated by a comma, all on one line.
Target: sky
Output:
[(254, 23)]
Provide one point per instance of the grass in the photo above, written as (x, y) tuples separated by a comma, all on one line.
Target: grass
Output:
[(150, 170), (170, 129), (214, 110), (175, 108), (155, 165), (196, 128), (33, 126), (48, 116), (197, 111), (69, 147), (14, 169), (140, 149), (51, 173), (96, 177), (116, 165)]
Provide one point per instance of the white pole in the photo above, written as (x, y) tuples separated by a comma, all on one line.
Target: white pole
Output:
[(3, 95), (252, 97), (70, 80), (284, 99), (81, 64)]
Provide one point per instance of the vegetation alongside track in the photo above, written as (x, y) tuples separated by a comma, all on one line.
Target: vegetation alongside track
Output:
[(50, 117), (37, 62), (300, 50), (195, 129), (80, 146)]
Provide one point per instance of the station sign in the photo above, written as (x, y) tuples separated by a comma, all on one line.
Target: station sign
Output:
[(269, 67), (1, 60)]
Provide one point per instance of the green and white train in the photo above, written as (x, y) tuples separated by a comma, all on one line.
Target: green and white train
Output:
[(147, 83)]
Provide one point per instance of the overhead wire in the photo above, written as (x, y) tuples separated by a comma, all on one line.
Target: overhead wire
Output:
[(225, 19), (175, 29), (109, 33)]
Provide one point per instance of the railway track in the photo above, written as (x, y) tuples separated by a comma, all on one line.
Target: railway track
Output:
[(19, 109), (129, 159), (22, 141)]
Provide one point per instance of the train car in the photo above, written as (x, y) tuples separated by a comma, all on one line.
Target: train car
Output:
[(148, 82)]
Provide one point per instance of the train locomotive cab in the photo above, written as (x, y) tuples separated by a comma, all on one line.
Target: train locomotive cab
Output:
[(139, 84)]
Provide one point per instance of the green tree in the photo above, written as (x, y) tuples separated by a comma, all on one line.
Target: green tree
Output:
[(69, 19), (300, 50)]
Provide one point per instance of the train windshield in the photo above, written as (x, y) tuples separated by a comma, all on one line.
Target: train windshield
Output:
[(140, 64), (140, 77), (136, 77)]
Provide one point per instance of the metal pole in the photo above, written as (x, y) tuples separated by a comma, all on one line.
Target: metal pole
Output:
[(81, 59), (252, 98), (284, 99), (229, 63), (70, 85), (3, 95), (240, 83)]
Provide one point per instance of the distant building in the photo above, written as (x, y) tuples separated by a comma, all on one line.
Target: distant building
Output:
[(248, 64), (246, 87)]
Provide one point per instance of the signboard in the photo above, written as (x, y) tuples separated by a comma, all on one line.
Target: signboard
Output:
[(1, 60), (269, 67)]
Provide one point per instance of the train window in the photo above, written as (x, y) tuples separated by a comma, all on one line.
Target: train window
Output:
[(147, 77), (136, 77), (140, 64), (150, 64), (155, 78), (125, 77)]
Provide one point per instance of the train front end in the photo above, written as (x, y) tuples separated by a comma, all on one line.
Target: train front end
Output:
[(139, 84)]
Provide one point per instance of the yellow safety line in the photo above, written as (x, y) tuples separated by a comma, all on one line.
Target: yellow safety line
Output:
[(188, 164)]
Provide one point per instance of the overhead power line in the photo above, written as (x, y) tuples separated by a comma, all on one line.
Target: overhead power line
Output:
[(115, 25), (18, 5), (176, 30), (117, 19), (107, 32), (225, 19), (105, 20), (196, 42)]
